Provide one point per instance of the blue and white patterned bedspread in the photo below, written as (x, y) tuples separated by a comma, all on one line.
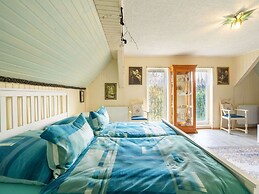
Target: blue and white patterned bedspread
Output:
[(135, 129), (167, 164)]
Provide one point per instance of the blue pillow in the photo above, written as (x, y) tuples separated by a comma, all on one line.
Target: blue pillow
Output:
[(65, 143), (65, 120), (23, 159), (99, 119)]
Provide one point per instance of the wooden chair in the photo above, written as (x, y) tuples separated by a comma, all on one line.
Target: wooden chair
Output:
[(231, 115), (137, 113)]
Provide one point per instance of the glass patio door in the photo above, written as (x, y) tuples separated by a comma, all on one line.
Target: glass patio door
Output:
[(203, 96), (157, 93)]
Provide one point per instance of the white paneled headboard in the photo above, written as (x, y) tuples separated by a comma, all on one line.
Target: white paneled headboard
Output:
[(22, 110)]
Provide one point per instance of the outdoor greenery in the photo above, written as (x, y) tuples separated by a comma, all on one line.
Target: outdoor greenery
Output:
[(155, 102), (200, 101), (157, 95)]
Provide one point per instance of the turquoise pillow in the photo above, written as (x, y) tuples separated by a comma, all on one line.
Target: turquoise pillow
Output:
[(65, 143), (99, 119), (65, 120), (23, 159)]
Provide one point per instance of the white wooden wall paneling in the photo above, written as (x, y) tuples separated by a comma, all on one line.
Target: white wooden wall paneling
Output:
[(45, 107), (15, 112), (58, 104), (41, 39), (3, 113), (24, 110), (53, 105), (66, 104), (39, 108), (32, 106), (50, 106)]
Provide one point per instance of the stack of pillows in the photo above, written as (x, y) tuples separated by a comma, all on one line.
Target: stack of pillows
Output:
[(67, 139)]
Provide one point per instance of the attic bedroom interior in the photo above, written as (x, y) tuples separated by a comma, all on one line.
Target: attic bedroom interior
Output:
[(129, 96)]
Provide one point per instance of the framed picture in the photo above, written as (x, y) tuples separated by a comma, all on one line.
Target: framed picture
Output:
[(223, 75), (135, 75), (110, 90), (81, 96)]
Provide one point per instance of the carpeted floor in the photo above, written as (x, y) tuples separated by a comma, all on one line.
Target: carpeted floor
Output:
[(246, 158)]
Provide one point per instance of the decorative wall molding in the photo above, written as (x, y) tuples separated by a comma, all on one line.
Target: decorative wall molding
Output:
[(23, 81)]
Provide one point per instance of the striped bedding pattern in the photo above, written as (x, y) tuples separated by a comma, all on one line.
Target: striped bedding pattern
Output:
[(66, 142), (23, 159), (165, 164), (135, 129)]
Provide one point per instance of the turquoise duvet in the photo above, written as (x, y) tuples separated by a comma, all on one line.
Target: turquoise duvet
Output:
[(164, 164), (135, 129)]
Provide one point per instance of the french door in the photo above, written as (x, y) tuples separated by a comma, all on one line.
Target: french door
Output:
[(157, 93), (204, 96)]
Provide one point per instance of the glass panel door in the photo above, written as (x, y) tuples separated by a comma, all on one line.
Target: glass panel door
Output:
[(157, 93), (203, 96)]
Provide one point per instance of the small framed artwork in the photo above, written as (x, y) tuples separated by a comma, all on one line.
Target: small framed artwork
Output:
[(81, 96), (110, 91), (135, 75), (223, 75)]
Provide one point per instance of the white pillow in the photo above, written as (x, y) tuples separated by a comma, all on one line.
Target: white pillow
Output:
[(228, 107), (137, 110)]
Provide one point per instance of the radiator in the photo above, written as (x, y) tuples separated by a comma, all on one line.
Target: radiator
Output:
[(252, 114), (118, 113)]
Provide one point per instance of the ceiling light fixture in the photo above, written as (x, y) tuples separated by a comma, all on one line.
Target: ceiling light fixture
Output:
[(236, 20), (121, 17), (123, 40), (123, 34)]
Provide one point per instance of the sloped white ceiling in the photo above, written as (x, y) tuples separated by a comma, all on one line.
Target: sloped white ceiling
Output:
[(109, 14), (52, 41)]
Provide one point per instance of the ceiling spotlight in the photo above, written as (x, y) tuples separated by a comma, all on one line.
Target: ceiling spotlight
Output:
[(121, 17), (236, 20), (121, 21), (123, 40)]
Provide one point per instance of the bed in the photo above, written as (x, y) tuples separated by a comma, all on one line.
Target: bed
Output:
[(113, 163), (129, 129), (135, 129)]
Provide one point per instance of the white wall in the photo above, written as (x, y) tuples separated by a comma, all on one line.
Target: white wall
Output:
[(247, 91), (244, 64), (95, 91)]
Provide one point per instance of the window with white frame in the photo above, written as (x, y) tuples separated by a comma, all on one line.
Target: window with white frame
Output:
[(157, 93), (203, 96)]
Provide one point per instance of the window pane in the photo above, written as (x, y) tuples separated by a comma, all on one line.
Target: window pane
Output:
[(157, 92), (203, 87)]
